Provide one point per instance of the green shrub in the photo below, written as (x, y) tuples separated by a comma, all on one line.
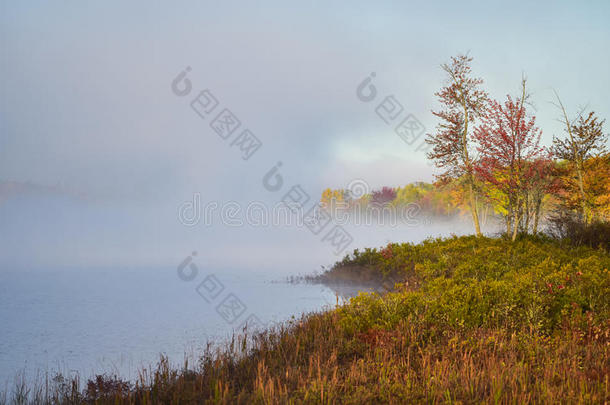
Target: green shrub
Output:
[(470, 282)]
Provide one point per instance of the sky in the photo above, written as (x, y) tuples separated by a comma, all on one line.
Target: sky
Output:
[(86, 100)]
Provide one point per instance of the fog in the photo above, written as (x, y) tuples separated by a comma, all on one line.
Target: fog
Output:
[(61, 231), (88, 109)]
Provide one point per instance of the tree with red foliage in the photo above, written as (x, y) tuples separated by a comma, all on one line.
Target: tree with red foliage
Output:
[(462, 102), (509, 144), (384, 196)]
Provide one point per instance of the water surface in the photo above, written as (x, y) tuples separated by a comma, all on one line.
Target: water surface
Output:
[(90, 321)]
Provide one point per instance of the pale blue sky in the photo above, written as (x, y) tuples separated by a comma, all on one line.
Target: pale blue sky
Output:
[(86, 99)]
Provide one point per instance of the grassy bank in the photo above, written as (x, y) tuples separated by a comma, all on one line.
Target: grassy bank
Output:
[(470, 320)]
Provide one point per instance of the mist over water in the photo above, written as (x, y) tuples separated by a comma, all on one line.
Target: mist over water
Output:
[(47, 232), (88, 287)]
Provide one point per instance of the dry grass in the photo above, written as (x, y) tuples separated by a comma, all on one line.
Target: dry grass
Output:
[(315, 361)]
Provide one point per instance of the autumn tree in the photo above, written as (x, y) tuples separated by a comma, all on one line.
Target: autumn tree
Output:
[(585, 139), (597, 170), (384, 196), (463, 102), (331, 197), (509, 143), (596, 178)]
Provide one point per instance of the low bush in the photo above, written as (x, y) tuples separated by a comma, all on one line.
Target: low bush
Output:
[(470, 282)]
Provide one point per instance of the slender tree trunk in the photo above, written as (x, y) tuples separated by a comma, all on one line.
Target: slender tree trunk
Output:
[(516, 224), (526, 209), (536, 215), (468, 163), (509, 218), (581, 187), (473, 210)]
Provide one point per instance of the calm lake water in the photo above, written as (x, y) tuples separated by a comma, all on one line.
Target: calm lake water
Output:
[(90, 321), (82, 289)]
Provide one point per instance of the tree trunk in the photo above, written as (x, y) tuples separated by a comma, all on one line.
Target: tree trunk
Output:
[(516, 225), (536, 216), (510, 216), (526, 209), (581, 187), (473, 210), (468, 163)]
